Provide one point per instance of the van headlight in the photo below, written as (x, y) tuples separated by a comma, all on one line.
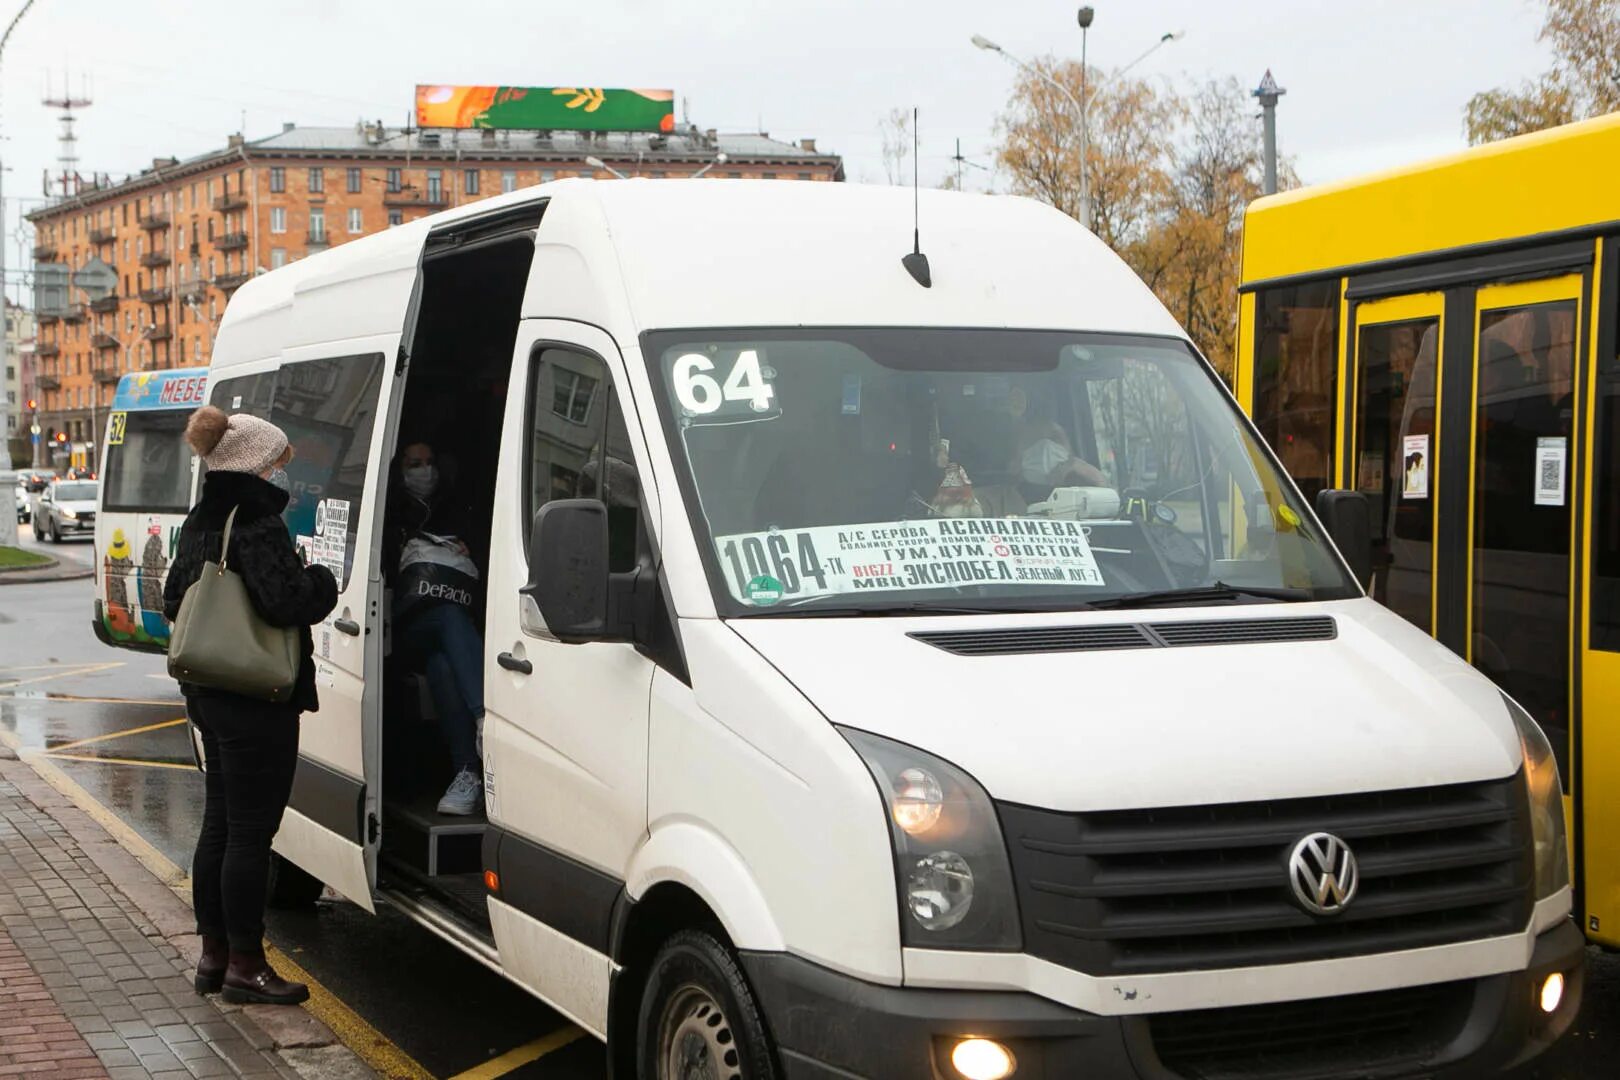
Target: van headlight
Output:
[(1546, 802), (69, 514), (951, 868)]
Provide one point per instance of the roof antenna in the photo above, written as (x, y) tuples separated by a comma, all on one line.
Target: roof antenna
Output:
[(916, 263)]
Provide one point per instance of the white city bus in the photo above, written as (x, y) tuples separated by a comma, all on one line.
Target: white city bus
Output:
[(146, 477)]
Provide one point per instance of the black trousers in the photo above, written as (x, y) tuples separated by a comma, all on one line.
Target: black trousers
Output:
[(251, 750)]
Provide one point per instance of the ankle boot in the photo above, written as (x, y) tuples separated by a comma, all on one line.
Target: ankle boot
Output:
[(211, 965), (250, 979)]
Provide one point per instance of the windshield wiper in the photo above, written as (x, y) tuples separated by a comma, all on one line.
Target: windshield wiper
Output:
[(1219, 592)]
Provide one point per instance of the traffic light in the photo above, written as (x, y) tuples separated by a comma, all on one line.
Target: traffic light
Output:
[(61, 436), (33, 405)]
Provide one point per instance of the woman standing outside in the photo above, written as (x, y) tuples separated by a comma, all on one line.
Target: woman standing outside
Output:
[(251, 746)]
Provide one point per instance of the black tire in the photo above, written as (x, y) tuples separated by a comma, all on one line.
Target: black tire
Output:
[(697, 1008), (56, 534), (290, 886)]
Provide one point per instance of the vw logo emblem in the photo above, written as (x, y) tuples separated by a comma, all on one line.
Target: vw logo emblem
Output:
[(1322, 870)]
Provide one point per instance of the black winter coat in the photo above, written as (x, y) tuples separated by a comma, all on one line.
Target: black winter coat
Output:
[(284, 591)]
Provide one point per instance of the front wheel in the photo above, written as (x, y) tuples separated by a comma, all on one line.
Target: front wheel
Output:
[(699, 1019)]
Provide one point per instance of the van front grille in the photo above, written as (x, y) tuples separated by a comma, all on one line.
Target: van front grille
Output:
[(1360, 1034), (1202, 887)]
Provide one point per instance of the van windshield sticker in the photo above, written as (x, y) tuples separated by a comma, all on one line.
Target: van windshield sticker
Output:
[(763, 568), (718, 386)]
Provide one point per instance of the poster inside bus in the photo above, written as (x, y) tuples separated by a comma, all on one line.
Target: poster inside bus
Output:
[(145, 493)]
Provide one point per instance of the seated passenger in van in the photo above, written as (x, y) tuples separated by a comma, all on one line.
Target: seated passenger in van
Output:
[(435, 595)]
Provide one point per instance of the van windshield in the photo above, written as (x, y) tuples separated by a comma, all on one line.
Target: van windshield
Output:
[(902, 469)]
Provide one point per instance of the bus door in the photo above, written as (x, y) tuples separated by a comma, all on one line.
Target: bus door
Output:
[(1520, 615), (1394, 429)]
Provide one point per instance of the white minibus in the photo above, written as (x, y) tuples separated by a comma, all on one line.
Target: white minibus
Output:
[(901, 658)]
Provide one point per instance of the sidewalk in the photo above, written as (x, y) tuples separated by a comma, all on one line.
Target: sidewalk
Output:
[(96, 957)]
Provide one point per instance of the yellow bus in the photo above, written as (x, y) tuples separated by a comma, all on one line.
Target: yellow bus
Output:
[(1441, 338)]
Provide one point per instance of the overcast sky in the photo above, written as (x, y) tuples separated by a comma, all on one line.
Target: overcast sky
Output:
[(1370, 83)]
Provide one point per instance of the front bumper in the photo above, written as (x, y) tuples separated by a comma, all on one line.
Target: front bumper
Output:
[(829, 1026)]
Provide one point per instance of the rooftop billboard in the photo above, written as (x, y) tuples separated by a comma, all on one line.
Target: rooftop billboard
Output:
[(545, 108)]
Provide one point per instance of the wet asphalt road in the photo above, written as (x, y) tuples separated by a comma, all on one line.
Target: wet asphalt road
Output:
[(60, 686)]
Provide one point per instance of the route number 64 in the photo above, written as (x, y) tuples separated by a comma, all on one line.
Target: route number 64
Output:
[(700, 393)]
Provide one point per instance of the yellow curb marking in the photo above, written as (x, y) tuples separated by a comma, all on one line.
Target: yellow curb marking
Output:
[(369, 1044), (102, 759), (516, 1059), (57, 750), (76, 699)]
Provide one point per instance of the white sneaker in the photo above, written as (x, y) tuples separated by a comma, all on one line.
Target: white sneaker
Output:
[(465, 795)]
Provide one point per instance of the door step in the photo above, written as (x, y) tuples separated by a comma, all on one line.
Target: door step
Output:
[(435, 844)]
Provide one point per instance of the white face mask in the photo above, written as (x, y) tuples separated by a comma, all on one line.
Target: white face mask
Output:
[(421, 480), (1042, 457), (278, 476)]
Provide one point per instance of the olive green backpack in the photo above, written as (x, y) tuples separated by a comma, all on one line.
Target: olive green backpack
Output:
[(220, 642)]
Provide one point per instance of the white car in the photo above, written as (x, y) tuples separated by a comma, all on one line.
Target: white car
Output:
[(66, 508), (24, 511)]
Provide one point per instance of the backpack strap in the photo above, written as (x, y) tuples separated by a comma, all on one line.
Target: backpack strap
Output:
[(225, 544)]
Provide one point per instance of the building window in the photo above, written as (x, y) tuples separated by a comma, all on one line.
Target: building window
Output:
[(355, 223), (278, 178), (354, 181), (317, 224), (547, 175), (317, 181), (471, 182), (508, 180), (805, 176), (393, 181), (396, 217), (278, 219), (278, 258), (435, 185), (571, 394), (768, 176)]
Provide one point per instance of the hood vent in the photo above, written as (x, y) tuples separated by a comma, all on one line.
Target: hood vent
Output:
[(1159, 635)]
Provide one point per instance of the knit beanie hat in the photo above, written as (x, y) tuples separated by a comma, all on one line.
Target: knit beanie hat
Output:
[(239, 443)]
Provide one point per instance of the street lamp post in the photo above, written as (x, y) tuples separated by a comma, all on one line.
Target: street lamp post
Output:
[(598, 163), (1086, 93)]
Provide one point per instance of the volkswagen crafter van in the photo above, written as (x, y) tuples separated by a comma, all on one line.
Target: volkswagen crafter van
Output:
[(899, 661)]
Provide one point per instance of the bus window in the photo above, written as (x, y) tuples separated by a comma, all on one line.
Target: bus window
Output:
[(1521, 537), (150, 470), (1296, 379)]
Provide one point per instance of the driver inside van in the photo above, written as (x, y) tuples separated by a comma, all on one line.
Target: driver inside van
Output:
[(1045, 457), (435, 595)]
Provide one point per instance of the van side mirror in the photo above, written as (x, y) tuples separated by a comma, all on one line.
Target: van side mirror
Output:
[(1349, 522), (568, 572)]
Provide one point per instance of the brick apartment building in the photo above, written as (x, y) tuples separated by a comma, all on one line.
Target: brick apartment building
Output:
[(182, 236)]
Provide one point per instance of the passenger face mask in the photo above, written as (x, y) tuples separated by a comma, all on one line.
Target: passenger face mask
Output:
[(278, 476), (421, 480), (1042, 457)]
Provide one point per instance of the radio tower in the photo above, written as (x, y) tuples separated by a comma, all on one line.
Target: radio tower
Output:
[(67, 157)]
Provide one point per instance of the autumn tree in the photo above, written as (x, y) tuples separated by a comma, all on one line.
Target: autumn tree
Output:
[(1129, 160), (1170, 176), (1584, 80)]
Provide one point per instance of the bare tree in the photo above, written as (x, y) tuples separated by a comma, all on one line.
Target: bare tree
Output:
[(896, 133)]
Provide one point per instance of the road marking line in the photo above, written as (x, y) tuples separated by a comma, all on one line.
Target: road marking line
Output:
[(114, 735), (516, 1059), (101, 759), (76, 669), (75, 699), (371, 1045)]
